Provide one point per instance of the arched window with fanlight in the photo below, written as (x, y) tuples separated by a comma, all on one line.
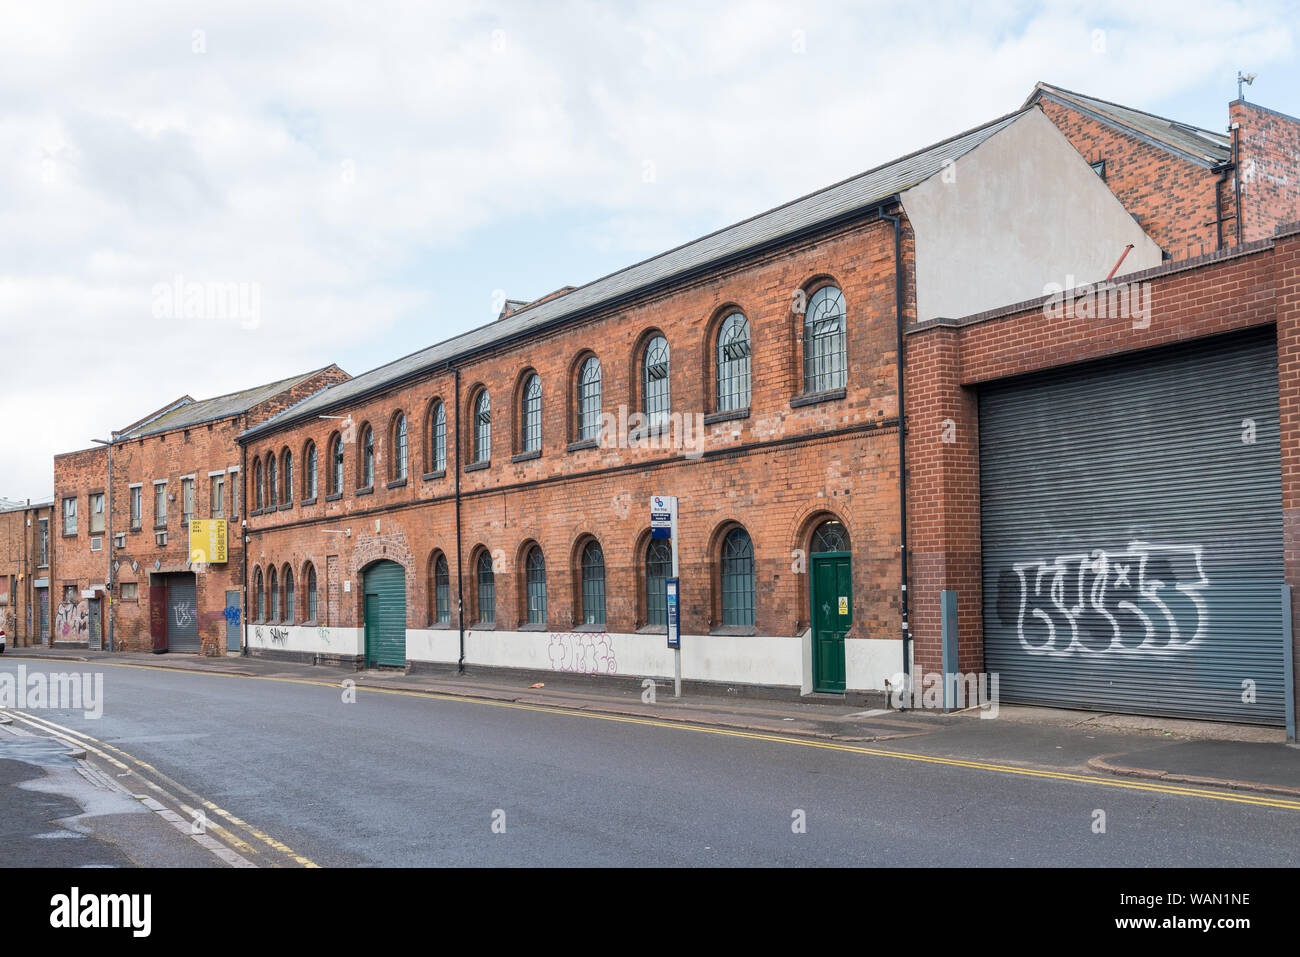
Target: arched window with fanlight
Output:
[(399, 448), (530, 414), (535, 585), (290, 597), (593, 584), (589, 399), (309, 591), (259, 590), (825, 364), (655, 383), (367, 477), (273, 602), (733, 363), (309, 472), (830, 536), (259, 486), (738, 598), (438, 438), (487, 589), (658, 569), (336, 464), (272, 482), (440, 613), (286, 473), (482, 427)]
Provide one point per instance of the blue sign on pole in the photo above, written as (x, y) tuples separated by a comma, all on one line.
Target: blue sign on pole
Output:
[(674, 620)]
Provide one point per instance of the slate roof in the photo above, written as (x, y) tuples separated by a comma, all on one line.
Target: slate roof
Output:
[(208, 410), (1191, 142), (855, 195)]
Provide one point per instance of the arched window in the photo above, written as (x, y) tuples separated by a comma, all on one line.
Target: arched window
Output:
[(260, 591), (737, 579), (438, 438), (439, 589), (593, 584), (309, 585), (733, 363), (535, 585), (272, 482), (286, 472), (258, 487), (367, 477), (482, 427), (830, 536), (589, 399), (274, 589), (336, 464), (487, 589), (530, 415), (658, 569), (824, 360), (289, 597), (399, 447), (655, 383), (309, 472)]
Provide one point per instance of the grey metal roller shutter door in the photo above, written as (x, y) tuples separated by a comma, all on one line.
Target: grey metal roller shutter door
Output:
[(182, 615), (1131, 518)]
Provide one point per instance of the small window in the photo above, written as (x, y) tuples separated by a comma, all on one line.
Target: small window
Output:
[(286, 472), (43, 543), (217, 495), (1099, 167), (830, 536), (733, 363), (487, 589), (260, 591), (368, 458), (655, 382), (309, 472), (272, 482), (530, 417), (69, 516), (535, 585), (658, 569), (482, 427), (589, 399), (97, 513), (137, 498), (259, 499), (399, 448), (273, 587), (824, 361), (438, 438), (441, 591), (309, 585), (738, 579), (336, 464), (187, 499), (289, 597), (160, 504), (130, 591), (593, 584)]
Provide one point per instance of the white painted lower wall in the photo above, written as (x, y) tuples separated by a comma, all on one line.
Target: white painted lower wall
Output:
[(722, 659)]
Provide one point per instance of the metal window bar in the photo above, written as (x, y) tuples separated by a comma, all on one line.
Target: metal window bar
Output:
[(442, 590), (593, 585), (658, 568), (655, 382), (532, 414), (487, 590), (589, 400), (440, 438), (311, 593), (824, 341), (483, 427), (733, 363), (536, 587), (737, 579), (399, 457), (830, 536)]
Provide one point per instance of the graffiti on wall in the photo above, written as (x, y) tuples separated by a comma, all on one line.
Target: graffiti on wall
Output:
[(184, 613), (582, 653), (231, 614), (324, 634), (72, 621), (1145, 599), (279, 635)]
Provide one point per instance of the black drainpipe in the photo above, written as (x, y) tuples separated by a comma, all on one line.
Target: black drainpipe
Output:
[(1236, 174), (243, 540), (460, 578), (902, 439)]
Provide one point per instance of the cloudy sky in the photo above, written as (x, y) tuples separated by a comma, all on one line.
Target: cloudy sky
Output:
[(380, 175)]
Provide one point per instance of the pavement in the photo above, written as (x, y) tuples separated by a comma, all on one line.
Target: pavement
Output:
[(1212, 754)]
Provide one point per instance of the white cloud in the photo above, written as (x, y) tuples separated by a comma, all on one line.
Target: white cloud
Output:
[(362, 162)]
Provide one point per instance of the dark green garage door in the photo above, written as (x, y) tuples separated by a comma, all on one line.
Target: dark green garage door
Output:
[(1132, 533), (385, 611)]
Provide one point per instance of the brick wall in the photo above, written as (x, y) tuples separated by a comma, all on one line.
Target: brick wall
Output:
[(78, 476), (1270, 168)]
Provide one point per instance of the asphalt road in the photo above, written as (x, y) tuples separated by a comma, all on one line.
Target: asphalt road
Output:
[(410, 780)]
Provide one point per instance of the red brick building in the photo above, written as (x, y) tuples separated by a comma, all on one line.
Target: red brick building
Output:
[(177, 464), (26, 568), (485, 502)]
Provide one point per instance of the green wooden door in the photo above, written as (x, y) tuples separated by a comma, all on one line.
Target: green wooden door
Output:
[(385, 610), (832, 614)]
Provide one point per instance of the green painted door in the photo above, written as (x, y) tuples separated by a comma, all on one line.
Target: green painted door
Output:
[(832, 614), (385, 609)]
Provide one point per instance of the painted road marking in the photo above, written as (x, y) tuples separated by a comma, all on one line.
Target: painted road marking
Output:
[(77, 738), (1261, 800)]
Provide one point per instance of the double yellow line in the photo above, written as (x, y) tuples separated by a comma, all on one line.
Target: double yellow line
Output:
[(1257, 800)]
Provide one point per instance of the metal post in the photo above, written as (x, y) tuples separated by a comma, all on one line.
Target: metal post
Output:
[(677, 652), (1288, 664), (948, 600)]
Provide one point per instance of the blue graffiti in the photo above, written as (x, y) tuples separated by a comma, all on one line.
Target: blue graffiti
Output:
[(232, 614)]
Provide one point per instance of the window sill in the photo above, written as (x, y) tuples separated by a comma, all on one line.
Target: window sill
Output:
[(582, 444), (830, 395), (713, 418), (477, 466), (308, 501), (334, 498), (653, 630), (440, 626), (69, 534), (527, 627), (396, 483), (368, 490), (483, 626), (592, 628), (160, 528), (744, 631), (135, 530), (526, 456), (286, 506), (434, 476)]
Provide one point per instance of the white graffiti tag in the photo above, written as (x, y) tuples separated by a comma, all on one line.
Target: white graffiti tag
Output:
[(1147, 599), (589, 654), (184, 613)]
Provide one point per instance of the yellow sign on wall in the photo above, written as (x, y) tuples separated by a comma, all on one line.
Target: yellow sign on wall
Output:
[(208, 541)]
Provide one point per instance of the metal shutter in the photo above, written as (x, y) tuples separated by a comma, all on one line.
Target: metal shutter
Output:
[(1132, 533), (182, 615), (386, 630)]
